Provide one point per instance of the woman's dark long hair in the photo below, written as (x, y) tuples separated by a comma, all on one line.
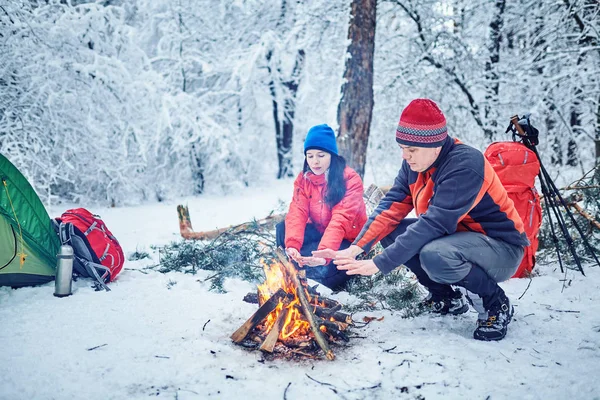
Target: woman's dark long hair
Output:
[(336, 184)]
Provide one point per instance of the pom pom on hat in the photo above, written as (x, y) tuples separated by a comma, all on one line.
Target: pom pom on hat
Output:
[(422, 124)]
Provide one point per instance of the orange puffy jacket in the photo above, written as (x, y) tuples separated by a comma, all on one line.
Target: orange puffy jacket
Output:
[(343, 221)]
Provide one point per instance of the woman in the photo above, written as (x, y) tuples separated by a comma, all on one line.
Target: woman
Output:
[(327, 210)]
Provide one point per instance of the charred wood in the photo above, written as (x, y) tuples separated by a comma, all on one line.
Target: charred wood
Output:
[(258, 316), (326, 313), (333, 330), (273, 335)]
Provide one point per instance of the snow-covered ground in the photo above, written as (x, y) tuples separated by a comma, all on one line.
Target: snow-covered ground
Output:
[(149, 337)]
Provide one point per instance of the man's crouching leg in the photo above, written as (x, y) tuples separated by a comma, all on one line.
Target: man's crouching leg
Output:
[(442, 298), (477, 263)]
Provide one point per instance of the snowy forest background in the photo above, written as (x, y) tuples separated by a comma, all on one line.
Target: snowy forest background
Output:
[(119, 102)]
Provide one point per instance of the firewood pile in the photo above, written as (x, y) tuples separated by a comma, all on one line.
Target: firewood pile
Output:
[(290, 322)]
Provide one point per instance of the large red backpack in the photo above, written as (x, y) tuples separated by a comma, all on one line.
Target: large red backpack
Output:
[(517, 166), (98, 254)]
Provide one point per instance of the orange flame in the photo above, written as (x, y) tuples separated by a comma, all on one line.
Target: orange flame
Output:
[(277, 278)]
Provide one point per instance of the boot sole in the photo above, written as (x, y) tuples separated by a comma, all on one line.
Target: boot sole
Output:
[(488, 339)]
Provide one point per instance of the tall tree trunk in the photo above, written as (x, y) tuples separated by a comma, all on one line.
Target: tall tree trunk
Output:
[(575, 122), (586, 41), (491, 71), (197, 170), (596, 142), (287, 134), (284, 123), (597, 134), (284, 127), (355, 109), (275, 107)]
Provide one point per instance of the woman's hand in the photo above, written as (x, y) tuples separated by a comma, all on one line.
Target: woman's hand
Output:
[(314, 261), (349, 253), (294, 255), (353, 267)]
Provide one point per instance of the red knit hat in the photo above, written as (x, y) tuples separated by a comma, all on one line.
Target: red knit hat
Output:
[(422, 124)]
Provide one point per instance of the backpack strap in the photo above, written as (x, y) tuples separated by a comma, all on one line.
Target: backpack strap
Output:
[(92, 269)]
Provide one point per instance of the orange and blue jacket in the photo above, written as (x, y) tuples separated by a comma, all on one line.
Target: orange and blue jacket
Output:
[(459, 192), (342, 221)]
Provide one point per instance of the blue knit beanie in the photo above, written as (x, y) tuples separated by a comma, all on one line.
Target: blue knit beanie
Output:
[(321, 137)]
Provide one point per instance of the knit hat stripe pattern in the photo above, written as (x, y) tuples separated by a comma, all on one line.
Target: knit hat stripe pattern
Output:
[(422, 124)]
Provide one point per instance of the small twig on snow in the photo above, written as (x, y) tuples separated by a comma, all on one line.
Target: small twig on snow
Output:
[(285, 391), (204, 326), (526, 289), (332, 387), (97, 347), (548, 307), (135, 269)]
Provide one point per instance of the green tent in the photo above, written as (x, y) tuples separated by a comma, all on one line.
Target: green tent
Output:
[(28, 243)]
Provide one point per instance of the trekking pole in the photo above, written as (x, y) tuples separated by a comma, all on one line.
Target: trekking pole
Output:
[(548, 204), (530, 143), (553, 188), (551, 200), (551, 192)]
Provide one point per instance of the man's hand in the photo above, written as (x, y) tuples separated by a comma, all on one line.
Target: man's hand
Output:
[(349, 253), (353, 267)]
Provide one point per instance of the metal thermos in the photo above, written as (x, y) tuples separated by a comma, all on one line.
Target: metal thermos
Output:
[(64, 271)]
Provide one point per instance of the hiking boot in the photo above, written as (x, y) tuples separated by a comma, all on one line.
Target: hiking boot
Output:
[(499, 315), (453, 303)]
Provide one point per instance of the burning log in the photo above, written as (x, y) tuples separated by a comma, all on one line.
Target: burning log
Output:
[(336, 316), (326, 313), (273, 335), (302, 342), (305, 305), (187, 232), (334, 330), (324, 301), (269, 306), (319, 311)]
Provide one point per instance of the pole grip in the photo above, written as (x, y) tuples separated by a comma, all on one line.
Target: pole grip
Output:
[(515, 121)]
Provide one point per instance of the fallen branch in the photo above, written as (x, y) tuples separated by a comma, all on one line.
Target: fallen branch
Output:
[(372, 195), (580, 187), (187, 232), (585, 214)]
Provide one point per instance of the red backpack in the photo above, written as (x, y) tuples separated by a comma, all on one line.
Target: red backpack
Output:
[(517, 166), (98, 254)]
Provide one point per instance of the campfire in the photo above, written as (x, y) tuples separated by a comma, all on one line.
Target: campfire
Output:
[(290, 321)]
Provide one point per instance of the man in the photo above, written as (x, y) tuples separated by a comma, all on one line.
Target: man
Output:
[(467, 232)]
